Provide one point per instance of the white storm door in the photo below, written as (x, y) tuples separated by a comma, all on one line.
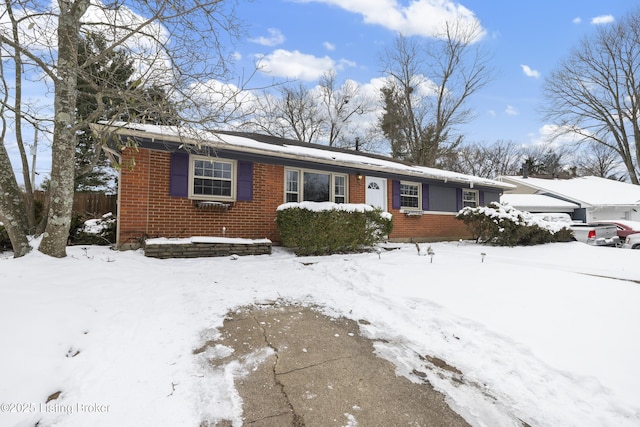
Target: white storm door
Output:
[(376, 193)]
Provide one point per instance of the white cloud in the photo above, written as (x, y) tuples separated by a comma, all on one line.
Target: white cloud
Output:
[(602, 19), (295, 65), (577, 20), (374, 86), (345, 63), (420, 17), (329, 46), (275, 38), (530, 72), (554, 136), (511, 110)]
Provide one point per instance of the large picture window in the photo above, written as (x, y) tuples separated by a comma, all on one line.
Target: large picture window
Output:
[(212, 179), (315, 186), (409, 195)]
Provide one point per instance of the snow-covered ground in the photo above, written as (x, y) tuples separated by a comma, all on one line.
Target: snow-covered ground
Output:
[(549, 335)]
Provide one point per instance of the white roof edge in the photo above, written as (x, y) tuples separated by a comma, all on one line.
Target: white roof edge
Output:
[(536, 200), (175, 134), (576, 198)]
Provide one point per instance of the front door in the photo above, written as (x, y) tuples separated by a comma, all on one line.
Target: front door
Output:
[(376, 194)]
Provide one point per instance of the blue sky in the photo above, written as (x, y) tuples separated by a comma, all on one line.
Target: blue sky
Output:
[(527, 39), (304, 38)]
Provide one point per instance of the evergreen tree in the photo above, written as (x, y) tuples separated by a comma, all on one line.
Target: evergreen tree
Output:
[(109, 70), (392, 122)]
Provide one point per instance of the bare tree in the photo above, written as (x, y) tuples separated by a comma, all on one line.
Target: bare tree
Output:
[(485, 160), (178, 46), (428, 87), (505, 158), (326, 114), (599, 160), (293, 112), (547, 161), (341, 105), (593, 94), (17, 208)]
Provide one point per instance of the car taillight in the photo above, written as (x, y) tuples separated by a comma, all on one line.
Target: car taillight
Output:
[(592, 234)]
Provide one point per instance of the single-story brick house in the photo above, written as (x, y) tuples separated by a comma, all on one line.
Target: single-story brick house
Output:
[(174, 183)]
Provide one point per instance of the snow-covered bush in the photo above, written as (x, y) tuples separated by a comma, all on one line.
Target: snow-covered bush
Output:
[(503, 225), (324, 228), (99, 231)]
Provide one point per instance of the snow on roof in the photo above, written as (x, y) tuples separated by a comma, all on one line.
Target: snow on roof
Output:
[(587, 190), (536, 202), (312, 152)]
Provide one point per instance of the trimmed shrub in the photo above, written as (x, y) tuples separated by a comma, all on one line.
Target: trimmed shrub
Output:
[(327, 228), (503, 225)]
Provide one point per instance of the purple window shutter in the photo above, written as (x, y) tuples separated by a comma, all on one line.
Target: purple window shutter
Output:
[(179, 175), (481, 198), (245, 181), (458, 199), (395, 194), (425, 197)]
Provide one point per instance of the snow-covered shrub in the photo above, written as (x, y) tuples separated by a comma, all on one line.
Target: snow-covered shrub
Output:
[(503, 225), (311, 228), (99, 231)]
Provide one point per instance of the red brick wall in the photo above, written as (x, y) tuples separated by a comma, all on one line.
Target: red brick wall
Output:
[(133, 196), (146, 210), (427, 227), (357, 188)]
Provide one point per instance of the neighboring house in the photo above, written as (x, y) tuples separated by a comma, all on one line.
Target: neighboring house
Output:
[(595, 198), (538, 203), (175, 184)]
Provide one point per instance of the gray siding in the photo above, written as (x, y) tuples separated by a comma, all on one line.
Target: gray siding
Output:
[(491, 197), (442, 199)]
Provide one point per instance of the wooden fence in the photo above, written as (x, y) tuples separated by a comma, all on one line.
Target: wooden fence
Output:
[(88, 205)]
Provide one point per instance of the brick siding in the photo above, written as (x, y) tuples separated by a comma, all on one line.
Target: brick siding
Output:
[(146, 210)]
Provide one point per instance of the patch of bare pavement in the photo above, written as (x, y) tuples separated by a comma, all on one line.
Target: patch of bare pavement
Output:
[(319, 371)]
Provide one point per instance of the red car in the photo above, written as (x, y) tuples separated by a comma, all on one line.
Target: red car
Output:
[(624, 227)]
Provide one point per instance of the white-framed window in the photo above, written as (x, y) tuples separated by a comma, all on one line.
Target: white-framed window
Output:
[(314, 186), (292, 185), (340, 188), (212, 178), (469, 198), (410, 197)]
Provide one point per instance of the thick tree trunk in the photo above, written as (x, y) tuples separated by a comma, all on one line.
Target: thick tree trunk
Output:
[(56, 234), (12, 208)]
